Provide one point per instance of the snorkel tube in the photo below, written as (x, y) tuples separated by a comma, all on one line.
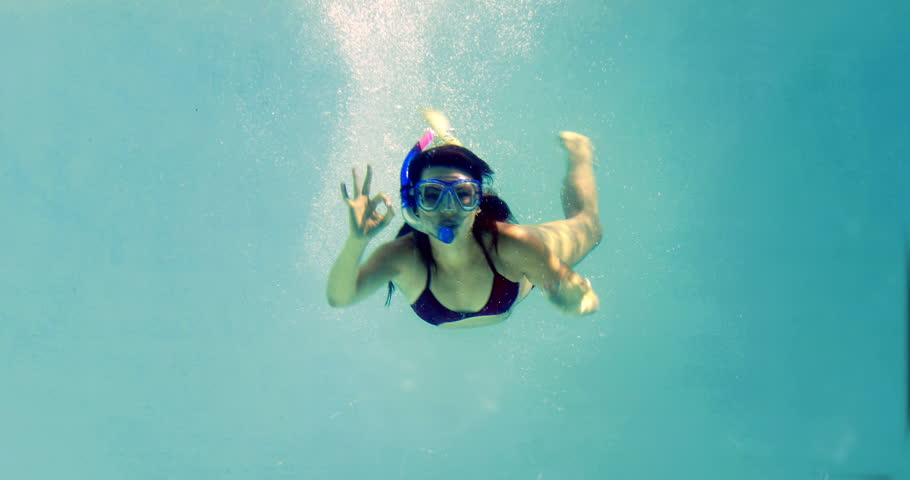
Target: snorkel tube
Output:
[(408, 203)]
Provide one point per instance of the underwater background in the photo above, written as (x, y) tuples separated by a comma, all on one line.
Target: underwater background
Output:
[(170, 208)]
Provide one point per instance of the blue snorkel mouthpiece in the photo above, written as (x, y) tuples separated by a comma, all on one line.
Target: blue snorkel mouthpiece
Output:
[(444, 234)]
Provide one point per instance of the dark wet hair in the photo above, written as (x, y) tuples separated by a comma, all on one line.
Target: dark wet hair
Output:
[(492, 208)]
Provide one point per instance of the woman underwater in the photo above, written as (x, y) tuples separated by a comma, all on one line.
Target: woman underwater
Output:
[(459, 260)]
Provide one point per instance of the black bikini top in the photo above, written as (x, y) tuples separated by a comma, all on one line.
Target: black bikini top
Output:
[(502, 296)]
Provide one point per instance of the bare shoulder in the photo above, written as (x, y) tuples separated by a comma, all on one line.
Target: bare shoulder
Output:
[(517, 246), (402, 256), (519, 241), (398, 252)]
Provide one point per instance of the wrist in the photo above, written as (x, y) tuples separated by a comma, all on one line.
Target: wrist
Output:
[(357, 241)]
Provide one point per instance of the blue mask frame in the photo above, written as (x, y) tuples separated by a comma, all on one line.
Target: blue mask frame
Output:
[(448, 190)]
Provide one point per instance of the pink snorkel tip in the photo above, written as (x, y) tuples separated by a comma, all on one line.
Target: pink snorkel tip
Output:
[(426, 139)]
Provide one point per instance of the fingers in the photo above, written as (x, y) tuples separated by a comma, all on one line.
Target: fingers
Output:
[(356, 182), (375, 201), (366, 182), (386, 219), (377, 222), (389, 213), (368, 215), (365, 188), (589, 303)]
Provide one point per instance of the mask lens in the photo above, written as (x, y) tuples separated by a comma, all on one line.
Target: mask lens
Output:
[(467, 194), (430, 194)]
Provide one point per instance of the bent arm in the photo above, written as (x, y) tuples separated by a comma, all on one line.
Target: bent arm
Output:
[(349, 282), (566, 289)]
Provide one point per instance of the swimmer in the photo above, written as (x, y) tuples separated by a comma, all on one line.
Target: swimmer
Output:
[(459, 259)]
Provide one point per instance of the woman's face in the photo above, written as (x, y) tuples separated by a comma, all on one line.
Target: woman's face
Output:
[(449, 214)]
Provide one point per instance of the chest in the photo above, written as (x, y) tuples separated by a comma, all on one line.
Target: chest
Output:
[(466, 290)]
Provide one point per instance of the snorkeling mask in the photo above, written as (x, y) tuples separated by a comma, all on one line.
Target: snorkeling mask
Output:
[(429, 195), (433, 193)]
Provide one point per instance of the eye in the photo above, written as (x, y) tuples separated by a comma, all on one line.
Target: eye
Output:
[(466, 193), (431, 193)]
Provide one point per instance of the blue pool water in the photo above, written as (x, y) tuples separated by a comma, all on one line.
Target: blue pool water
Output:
[(169, 198)]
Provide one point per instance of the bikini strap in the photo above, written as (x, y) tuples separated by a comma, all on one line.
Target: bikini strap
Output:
[(489, 260)]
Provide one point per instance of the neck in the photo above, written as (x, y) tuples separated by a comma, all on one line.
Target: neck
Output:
[(464, 250)]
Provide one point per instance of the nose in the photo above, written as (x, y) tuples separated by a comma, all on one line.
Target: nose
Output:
[(448, 201)]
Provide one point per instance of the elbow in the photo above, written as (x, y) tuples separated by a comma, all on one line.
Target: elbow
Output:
[(336, 302), (597, 234)]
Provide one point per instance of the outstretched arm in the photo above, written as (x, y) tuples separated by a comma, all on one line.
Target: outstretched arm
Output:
[(564, 287)]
